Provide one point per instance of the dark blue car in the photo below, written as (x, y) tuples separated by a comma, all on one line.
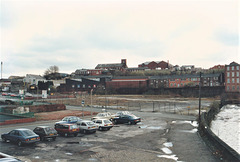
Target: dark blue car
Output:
[(70, 120), (129, 119), (21, 136)]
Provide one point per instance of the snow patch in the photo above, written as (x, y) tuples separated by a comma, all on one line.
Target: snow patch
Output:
[(227, 126)]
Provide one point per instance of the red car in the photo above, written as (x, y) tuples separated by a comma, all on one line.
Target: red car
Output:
[(67, 129)]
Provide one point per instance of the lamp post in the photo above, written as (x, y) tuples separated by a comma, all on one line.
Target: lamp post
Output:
[(91, 101), (199, 110)]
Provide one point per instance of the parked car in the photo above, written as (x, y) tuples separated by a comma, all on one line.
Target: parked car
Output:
[(119, 113), (21, 136), (130, 119), (70, 120), (87, 126), (45, 132), (66, 129), (8, 158), (103, 124), (104, 115)]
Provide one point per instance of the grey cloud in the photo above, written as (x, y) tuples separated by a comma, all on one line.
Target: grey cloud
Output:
[(227, 38)]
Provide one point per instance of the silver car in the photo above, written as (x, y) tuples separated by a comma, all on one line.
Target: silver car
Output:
[(87, 126)]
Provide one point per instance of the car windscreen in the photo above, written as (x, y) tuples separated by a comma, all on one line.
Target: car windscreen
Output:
[(107, 121), (90, 123), (133, 117), (49, 129), (66, 119), (73, 126), (28, 133)]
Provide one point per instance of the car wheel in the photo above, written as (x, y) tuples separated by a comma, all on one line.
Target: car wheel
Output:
[(100, 128), (75, 135), (129, 122), (19, 143), (115, 121), (65, 134), (54, 138), (84, 131)]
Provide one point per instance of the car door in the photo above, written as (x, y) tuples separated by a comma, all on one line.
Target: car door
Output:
[(125, 119), (11, 135), (15, 135), (83, 126)]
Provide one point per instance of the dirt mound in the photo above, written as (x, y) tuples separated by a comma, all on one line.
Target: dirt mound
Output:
[(58, 115)]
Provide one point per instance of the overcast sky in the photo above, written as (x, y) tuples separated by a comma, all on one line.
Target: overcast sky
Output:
[(76, 34)]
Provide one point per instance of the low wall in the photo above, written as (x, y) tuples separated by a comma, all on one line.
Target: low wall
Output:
[(37, 108), (226, 152), (15, 121)]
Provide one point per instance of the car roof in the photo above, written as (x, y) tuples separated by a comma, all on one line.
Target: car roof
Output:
[(22, 129), (42, 126), (66, 124), (100, 119), (86, 121)]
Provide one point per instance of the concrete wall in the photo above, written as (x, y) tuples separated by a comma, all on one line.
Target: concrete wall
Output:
[(222, 150)]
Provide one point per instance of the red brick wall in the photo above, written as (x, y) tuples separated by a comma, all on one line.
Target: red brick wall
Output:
[(15, 121)]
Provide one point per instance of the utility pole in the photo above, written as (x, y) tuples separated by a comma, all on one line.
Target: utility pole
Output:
[(199, 111), (91, 101), (1, 68)]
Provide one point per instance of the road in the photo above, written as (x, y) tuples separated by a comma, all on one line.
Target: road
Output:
[(159, 137)]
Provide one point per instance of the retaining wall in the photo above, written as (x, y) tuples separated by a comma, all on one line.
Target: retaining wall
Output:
[(223, 149), (15, 121)]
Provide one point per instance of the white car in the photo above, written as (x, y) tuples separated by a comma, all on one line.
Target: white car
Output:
[(104, 115), (103, 124), (87, 126)]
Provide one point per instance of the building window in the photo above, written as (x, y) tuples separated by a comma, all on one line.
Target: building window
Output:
[(238, 88), (228, 88), (233, 80), (228, 80), (237, 74), (228, 74), (232, 67), (237, 80), (233, 74), (228, 68), (233, 87), (237, 67), (171, 84)]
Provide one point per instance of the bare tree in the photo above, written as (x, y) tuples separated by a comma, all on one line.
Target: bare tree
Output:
[(52, 72)]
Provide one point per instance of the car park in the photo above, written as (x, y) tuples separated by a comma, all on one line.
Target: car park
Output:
[(104, 115), (129, 119), (87, 126), (21, 136), (70, 120), (45, 132), (65, 129), (103, 124)]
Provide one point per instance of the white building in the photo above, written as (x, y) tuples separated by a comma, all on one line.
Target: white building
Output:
[(33, 79)]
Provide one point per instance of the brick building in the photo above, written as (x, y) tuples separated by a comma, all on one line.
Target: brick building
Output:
[(155, 65), (232, 82)]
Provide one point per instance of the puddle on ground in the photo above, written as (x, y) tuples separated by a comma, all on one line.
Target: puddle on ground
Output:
[(166, 150), (168, 144), (97, 140), (189, 131), (151, 127), (173, 157), (193, 123)]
